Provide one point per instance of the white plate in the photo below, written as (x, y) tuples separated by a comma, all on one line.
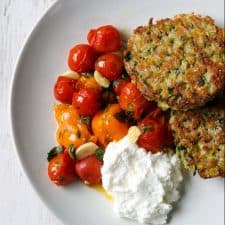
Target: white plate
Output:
[(43, 57)]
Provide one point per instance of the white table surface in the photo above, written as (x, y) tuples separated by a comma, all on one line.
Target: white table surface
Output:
[(19, 204)]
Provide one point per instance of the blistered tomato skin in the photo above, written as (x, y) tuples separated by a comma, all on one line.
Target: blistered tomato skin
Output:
[(61, 169), (132, 101), (155, 134), (110, 66), (70, 129), (82, 58), (106, 127), (89, 170), (119, 84), (64, 89), (86, 101), (105, 39)]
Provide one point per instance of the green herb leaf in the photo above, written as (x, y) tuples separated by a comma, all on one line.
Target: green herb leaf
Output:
[(72, 152), (123, 117), (195, 171), (54, 152), (116, 83), (145, 128), (120, 116), (177, 71), (128, 56), (85, 120), (201, 81), (100, 153), (170, 90), (130, 113), (181, 148), (124, 75), (78, 134)]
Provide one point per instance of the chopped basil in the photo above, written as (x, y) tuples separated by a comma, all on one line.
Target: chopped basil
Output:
[(149, 31), (72, 152), (99, 152), (124, 75), (195, 171), (172, 27), (54, 152), (170, 90), (85, 120), (145, 81), (128, 56), (171, 41), (116, 83), (146, 128), (130, 113), (181, 148), (150, 50), (201, 81), (122, 116), (177, 71), (60, 178), (221, 121), (78, 134), (160, 35)]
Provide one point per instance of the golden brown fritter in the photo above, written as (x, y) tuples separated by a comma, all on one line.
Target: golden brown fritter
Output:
[(200, 139), (178, 62)]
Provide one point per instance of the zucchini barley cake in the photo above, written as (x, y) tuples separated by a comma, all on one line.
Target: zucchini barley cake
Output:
[(177, 62), (200, 139)]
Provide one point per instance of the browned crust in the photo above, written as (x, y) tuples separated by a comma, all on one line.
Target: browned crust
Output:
[(190, 88), (200, 139)]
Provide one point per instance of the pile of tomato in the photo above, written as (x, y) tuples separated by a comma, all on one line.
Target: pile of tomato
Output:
[(106, 112)]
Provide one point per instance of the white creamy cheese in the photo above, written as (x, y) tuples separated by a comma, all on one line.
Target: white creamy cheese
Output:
[(142, 184)]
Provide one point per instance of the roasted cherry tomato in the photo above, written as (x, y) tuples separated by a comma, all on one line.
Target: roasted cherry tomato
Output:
[(71, 128), (86, 101), (107, 127), (89, 169), (64, 89), (132, 101), (109, 65), (82, 58), (105, 39), (154, 128), (61, 169), (119, 84)]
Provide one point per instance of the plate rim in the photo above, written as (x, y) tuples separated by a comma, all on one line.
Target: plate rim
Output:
[(11, 98), (12, 85)]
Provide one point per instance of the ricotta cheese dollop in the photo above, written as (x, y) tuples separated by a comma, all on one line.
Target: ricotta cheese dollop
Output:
[(143, 185)]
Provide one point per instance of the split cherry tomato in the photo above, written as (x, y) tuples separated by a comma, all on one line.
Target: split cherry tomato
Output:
[(109, 65), (105, 39), (107, 127), (89, 169), (86, 101), (132, 101), (82, 58), (64, 89), (154, 129), (61, 169)]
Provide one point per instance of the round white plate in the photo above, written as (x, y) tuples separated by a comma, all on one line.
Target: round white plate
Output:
[(43, 58)]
